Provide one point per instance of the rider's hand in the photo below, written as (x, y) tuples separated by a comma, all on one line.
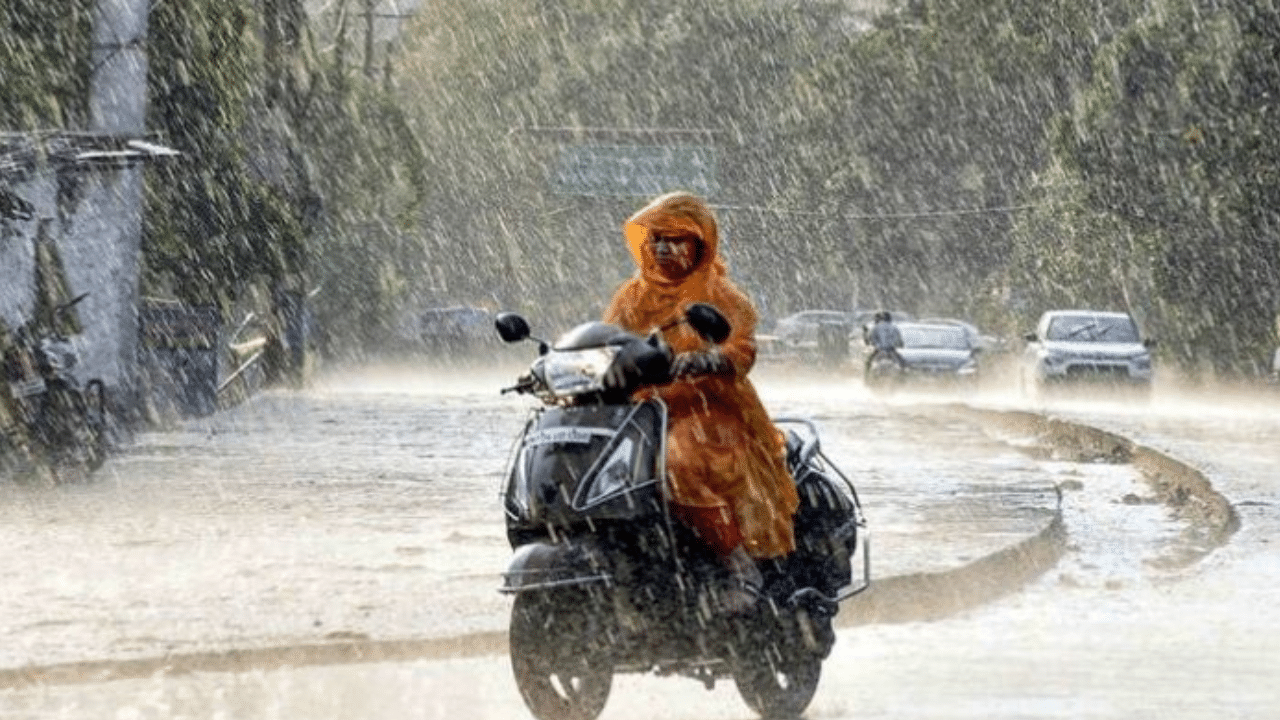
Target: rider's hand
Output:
[(701, 362), (615, 377), (658, 342), (639, 363)]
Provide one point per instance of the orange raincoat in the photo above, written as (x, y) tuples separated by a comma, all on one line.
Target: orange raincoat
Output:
[(725, 458)]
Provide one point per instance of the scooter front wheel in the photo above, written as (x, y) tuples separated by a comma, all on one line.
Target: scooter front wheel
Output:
[(561, 666), (778, 686)]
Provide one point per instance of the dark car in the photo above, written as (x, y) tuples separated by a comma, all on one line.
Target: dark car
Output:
[(980, 340), (936, 354)]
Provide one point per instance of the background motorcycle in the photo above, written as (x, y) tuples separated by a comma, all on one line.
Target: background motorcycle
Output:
[(883, 373), (65, 422), (606, 580)]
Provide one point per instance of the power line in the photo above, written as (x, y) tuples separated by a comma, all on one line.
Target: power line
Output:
[(952, 212), (114, 49), (588, 130)]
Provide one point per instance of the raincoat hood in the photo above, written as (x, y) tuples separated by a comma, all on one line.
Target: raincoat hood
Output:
[(676, 211)]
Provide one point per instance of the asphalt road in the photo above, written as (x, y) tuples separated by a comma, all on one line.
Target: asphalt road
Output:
[(333, 554)]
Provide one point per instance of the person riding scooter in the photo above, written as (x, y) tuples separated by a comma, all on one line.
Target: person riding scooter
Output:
[(884, 338), (725, 458)]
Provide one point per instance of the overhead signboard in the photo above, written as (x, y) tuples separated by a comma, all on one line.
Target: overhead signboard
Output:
[(640, 170)]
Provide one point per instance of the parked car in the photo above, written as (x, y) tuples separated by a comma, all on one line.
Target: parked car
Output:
[(458, 329), (805, 327), (821, 333), (1083, 348), (933, 354)]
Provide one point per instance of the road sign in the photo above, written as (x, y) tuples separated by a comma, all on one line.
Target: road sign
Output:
[(640, 170)]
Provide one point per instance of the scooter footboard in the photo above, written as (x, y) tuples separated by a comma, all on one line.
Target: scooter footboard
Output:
[(543, 565)]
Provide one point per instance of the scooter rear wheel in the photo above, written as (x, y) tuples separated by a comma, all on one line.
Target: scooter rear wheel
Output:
[(561, 666)]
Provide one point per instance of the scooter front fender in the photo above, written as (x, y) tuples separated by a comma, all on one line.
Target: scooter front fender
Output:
[(543, 566)]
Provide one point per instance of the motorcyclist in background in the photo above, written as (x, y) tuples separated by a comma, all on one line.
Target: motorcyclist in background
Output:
[(725, 459), (884, 338)]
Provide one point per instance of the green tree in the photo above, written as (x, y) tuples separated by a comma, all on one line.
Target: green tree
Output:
[(296, 170), (44, 64)]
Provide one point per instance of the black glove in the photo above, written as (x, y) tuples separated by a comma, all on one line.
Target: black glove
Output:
[(619, 371), (701, 362), (639, 363), (659, 343)]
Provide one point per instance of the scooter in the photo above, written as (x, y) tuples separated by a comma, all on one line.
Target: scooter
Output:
[(605, 580), (66, 422), (883, 373)]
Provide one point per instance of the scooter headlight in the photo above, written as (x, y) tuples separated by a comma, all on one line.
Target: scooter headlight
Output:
[(577, 371)]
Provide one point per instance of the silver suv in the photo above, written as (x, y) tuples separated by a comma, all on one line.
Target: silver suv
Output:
[(1086, 347)]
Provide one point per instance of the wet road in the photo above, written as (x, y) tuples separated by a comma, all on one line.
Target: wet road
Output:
[(363, 514)]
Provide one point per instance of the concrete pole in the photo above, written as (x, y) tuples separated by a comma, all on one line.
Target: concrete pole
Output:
[(117, 106), (118, 93)]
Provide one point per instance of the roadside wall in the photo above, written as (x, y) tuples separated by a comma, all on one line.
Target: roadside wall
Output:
[(100, 244), (97, 233)]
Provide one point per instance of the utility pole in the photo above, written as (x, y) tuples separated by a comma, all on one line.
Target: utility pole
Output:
[(118, 106), (371, 16), (118, 88), (369, 6)]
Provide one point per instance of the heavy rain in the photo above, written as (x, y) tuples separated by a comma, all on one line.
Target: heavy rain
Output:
[(264, 455)]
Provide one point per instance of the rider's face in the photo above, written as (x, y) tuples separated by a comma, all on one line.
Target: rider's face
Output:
[(675, 252)]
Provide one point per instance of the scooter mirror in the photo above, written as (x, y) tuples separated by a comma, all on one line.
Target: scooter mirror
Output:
[(708, 321), (511, 327)]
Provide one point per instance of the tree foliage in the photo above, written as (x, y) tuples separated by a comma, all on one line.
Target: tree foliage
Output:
[(500, 88), (1174, 139), (985, 159), (44, 63), (988, 159), (295, 168), (299, 171)]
